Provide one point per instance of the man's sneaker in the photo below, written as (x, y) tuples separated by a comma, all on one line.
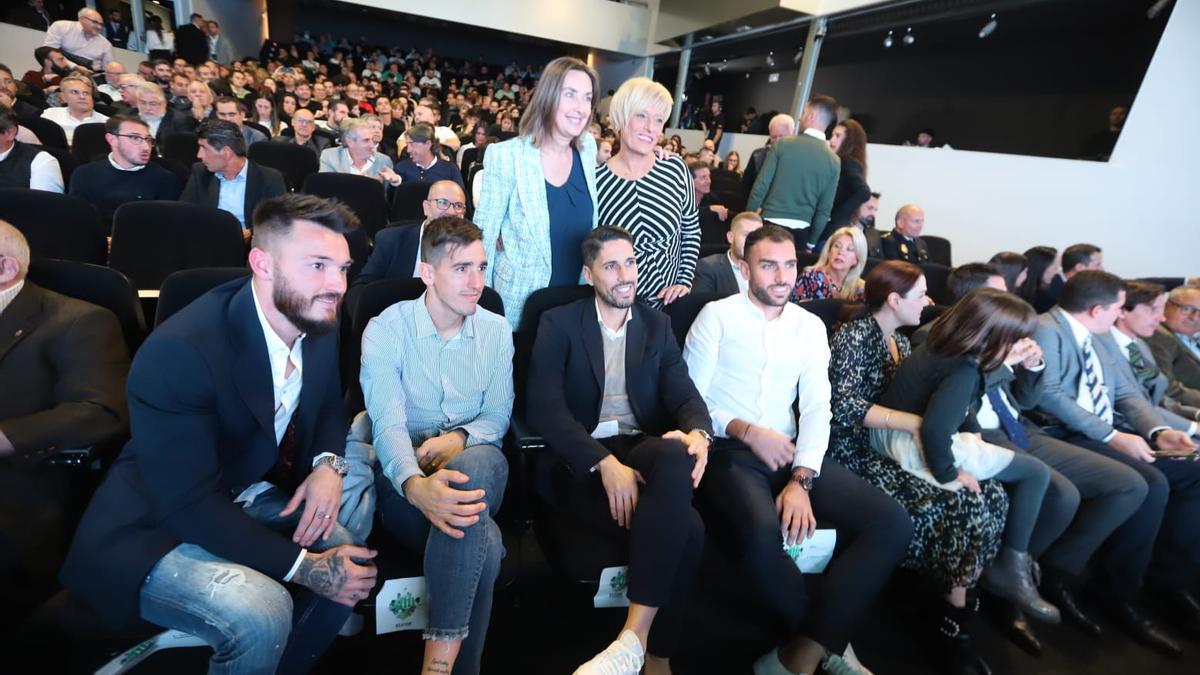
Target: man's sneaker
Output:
[(846, 664), (623, 657), (769, 664)]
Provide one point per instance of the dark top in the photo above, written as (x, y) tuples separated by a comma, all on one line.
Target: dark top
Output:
[(394, 257), (852, 191), (17, 168), (896, 246), (944, 391), (712, 228), (860, 368), (570, 208), (107, 187), (1047, 295), (441, 170)]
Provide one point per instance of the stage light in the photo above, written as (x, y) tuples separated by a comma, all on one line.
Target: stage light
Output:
[(771, 60), (908, 37), (887, 41), (988, 28), (707, 69)]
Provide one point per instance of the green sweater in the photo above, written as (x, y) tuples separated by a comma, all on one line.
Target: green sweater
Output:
[(797, 181)]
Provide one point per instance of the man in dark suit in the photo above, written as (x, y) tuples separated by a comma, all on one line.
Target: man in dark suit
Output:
[(236, 421), (1175, 343), (115, 29), (781, 125), (904, 241), (225, 178), (629, 435), (305, 134), (62, 364), (191, 41), (719, 272), (162, 119)]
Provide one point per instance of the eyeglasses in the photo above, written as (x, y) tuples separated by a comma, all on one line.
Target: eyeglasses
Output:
[(138, 140), (1186, 310), (446, 205)]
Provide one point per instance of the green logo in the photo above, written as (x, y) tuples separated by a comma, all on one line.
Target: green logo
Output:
[(403, 606), (793, 551), (618, 582), (136, 652)]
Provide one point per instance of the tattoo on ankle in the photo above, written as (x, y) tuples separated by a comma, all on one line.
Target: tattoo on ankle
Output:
[(438, 666), (326, 575)]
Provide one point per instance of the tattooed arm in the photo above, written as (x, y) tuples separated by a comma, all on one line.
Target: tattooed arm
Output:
[(333, 574)]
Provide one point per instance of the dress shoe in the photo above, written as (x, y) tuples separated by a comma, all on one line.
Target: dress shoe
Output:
[(1022, 635), (1060, 594), (1184, 609), (1144, 630), (1010, 576)]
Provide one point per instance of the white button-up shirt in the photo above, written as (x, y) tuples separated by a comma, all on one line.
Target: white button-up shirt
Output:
[(63, 118)]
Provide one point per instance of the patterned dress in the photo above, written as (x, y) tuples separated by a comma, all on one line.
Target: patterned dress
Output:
[(955, 534), (659, 210), (814, 284)]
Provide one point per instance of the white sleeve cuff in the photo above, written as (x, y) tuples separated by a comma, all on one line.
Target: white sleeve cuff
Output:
[(296, 565)]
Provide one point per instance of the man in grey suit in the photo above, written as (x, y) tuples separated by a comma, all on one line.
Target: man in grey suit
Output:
[(719, 272), (799, 176), (1140, 318), (357, 155), (1175, 343), (1087, 402)]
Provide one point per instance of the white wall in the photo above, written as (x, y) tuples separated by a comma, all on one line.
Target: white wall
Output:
[(17, 45)]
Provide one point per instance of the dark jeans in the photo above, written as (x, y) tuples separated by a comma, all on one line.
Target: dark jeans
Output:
[(737, 497), (667, 536), (1025, 479)]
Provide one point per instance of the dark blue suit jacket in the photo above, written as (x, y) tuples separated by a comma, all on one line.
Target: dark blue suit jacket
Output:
[(201, 410), (394, 256)]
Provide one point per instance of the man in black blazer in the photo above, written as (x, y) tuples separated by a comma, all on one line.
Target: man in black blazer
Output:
[(115, 29), (225, 179), (629, 436), (237, 419), (904, 241), (62, 364), (719, 273), (191, 41)]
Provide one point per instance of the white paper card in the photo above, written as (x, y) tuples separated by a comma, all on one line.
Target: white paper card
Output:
[(812, 555), (606, 429), (614, 586), (401, 605)]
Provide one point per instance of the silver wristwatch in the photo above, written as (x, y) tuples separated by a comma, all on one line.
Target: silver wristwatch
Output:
[(339, 464)]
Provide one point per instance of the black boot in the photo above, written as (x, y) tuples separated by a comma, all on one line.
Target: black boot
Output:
[(1010, 576), (1145, 631), (958, 657), (1015, 625), (1058, 591)]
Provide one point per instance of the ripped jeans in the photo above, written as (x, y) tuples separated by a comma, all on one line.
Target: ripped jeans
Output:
[(251, 620)]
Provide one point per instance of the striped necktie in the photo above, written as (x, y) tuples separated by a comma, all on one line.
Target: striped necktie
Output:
[(1141, 369), (1091, 376)]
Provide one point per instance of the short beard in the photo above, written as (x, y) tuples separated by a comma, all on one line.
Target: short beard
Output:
[(607, 298), (764, 296), (292, 305)]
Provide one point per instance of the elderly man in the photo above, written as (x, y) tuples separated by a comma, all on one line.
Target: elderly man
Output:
[(113, 70), (1175, 343), (23, 165), (304, 128), (225, 179), (780, 126), (126, 174), (76, 90), (162, 120), (127, 88), (230, 110), (904, 241), (357, 155), (81, 41)]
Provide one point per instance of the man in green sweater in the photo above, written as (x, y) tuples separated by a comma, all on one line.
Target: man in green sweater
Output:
[(798, 179)]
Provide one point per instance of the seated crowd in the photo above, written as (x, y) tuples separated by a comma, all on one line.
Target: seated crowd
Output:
[(1030, 438)]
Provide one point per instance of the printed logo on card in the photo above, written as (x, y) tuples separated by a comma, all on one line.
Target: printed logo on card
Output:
[(404, 606), (619, 582)]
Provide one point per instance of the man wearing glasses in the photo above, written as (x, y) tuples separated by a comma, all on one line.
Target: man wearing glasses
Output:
[(1176, 343), (397, 248), (126, 174), (113, 70), (81, 41), (80, 109), (162, 120), (304, 126)]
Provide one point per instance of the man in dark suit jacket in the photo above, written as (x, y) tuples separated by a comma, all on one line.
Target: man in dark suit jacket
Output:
[(225, 178), (115, 29), (62, 364), (305, 133), (904, 242), (191, 41), (781, 125), (237, 419), (719, 273), (616, 407), (1175, 342)]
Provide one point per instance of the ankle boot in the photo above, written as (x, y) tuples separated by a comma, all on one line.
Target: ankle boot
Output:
[(1010, 576), (954, 641)]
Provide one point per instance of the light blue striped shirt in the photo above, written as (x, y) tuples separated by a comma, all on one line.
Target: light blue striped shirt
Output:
[(418, 386)]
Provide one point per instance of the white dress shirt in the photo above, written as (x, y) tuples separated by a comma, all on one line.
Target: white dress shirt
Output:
[(1083, 397), (987, 417), (742, 283), (68, 36), (44, 172), (752, 369), (1123, 341), (63, 118), (9, 294)]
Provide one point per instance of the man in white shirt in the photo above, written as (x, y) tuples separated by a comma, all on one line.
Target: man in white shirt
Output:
[(113, 70), (81, 40), (23, 165), (80, 109), (751, 356)]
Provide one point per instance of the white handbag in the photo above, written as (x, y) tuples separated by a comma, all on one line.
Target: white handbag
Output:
[(981, 460)]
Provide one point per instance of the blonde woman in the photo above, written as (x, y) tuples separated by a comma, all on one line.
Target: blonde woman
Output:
[(838, 272)]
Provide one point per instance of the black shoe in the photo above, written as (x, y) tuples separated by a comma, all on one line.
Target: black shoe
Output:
[(1184, 609), (1022, 635), (1060, 594), (954, 643), (1144, 630)]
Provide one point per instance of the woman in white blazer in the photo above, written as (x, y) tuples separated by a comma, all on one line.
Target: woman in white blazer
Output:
[(538, 198)]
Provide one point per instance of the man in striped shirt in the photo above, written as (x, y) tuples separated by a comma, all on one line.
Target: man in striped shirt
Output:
[(437, 379)]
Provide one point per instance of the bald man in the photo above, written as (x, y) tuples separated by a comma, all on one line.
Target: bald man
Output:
[(904, 241), (81, 41), (304, 129), (780, 125), (113, 70), (1176, 343)]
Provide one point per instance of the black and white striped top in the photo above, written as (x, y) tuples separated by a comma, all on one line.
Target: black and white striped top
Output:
[(659, 210)]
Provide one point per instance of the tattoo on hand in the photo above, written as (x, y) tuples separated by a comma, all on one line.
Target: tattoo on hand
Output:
[(326, 575)]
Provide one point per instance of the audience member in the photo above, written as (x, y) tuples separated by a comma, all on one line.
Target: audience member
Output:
[(357, 155), (191, 41), (654, 200), (1014, 267), (712, 213), (864, 220), (262, 113), (1083, 390), (721, 273), (437, 378), (1175, 342), (643, 423), (81, 41), (201, 98), (904, 241), (771, 475), (163, 544), (1079, 257), (423, 163), (304, 130), (219, 49), (31, 14), (1043, 283), (126, 103), (338, 112), (779, 127), (80, 109), (8, 94), (849, 141), (54, 66), (113, 70), (733, 163), (158, 43), (64, 388), (126, 174), (23, 165), (225, 179), (230, 110), (838, 272), (115, 29), (162, 120), (798, 180), (178, 99)]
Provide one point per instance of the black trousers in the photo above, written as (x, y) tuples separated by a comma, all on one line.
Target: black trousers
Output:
[(36, 519), (667, 536), (737, 498)]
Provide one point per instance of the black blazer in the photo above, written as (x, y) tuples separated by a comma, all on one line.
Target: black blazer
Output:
[(62, 364), (714, 275), (394, 256), (202, 415), (895, 246), (174, 121), (262, 182), (852, 192), (191, 44), (566, 381)]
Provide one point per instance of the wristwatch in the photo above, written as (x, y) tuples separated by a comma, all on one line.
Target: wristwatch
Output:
[(339, 464), (707, 436), (801, 479)]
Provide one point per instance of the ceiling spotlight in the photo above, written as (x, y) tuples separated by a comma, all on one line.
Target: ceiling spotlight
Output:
[(988, 28), (724, 64), (771, 60), (799, 55), (707, 69), (887, 41), (908, 37), (747, 76)]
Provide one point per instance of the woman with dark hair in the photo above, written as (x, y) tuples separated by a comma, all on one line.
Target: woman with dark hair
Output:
[(287, 107), (943, 381), (1013, 267), (1043, 282), (262, 112), (955, 534), (849, 141), (159, 45)]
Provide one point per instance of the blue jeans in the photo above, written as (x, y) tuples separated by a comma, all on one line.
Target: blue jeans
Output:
[(459, 573), (249, 618)]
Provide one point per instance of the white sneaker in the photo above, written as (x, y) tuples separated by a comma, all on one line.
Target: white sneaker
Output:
[(769, 664), (623, 657), (851, 660)]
